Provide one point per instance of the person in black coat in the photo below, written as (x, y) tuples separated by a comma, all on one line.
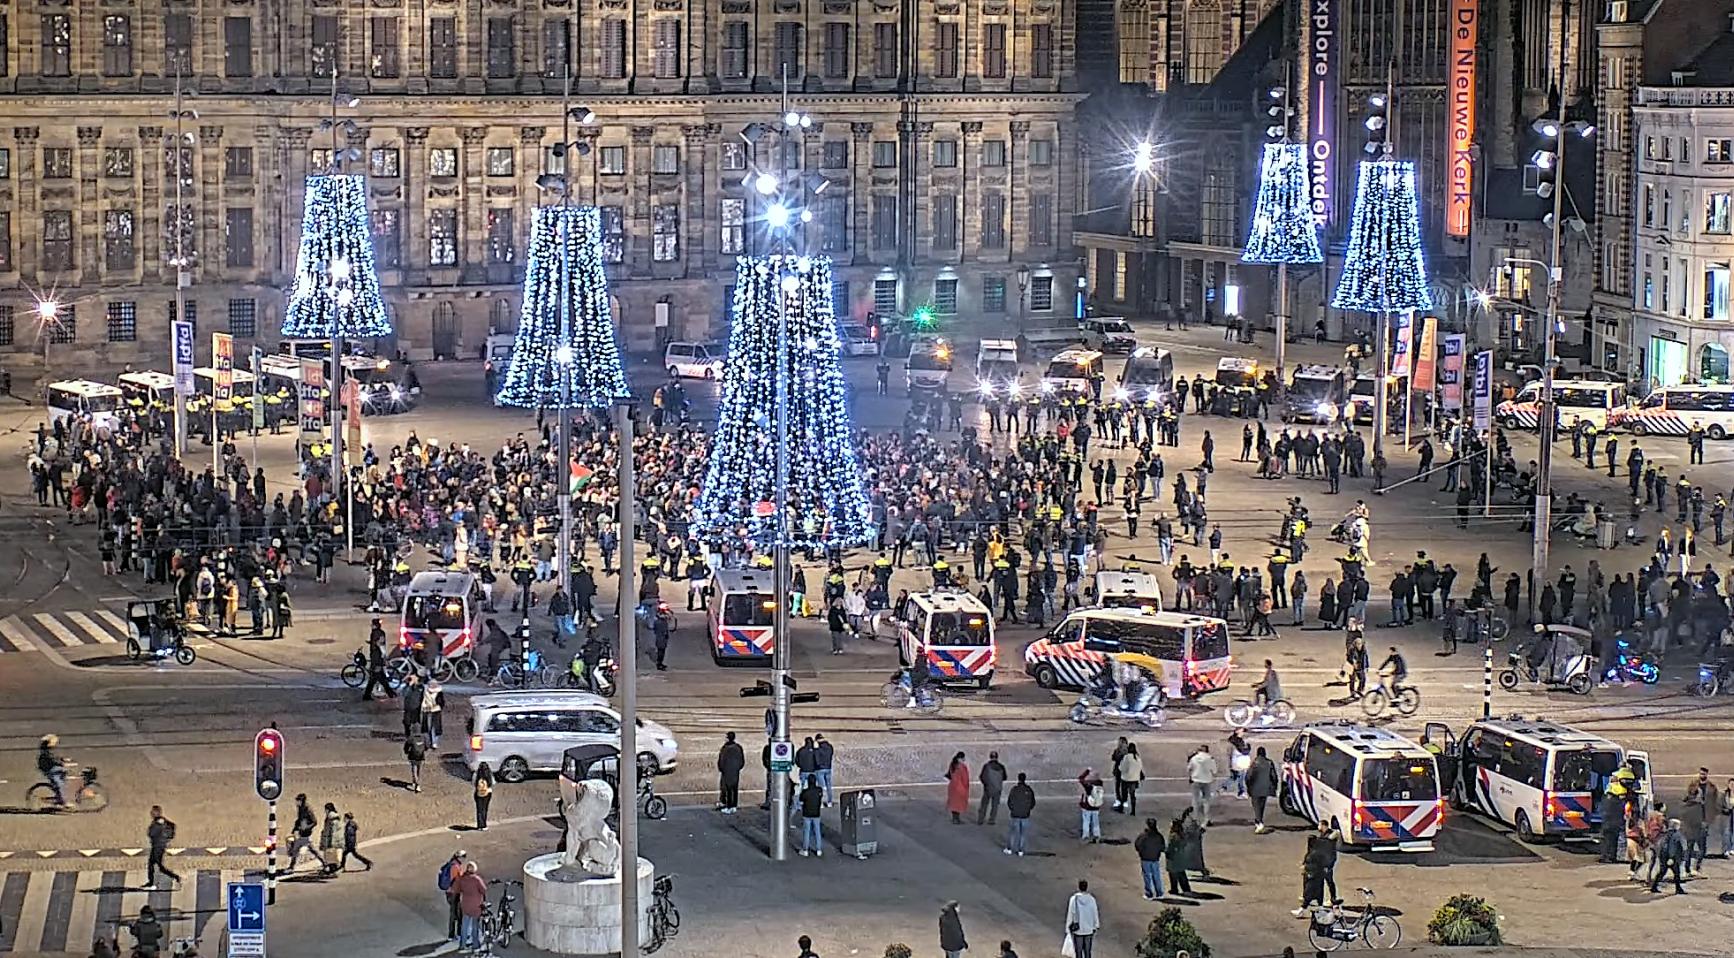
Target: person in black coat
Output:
[(951, 939), (730, 759)]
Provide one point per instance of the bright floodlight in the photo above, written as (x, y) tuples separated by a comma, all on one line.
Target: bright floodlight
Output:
[(765, 183), (791, 284), (340, 270), (47, 309), (1143, 157), (792, 118), (777, 215), (806, 216), (563, 355)]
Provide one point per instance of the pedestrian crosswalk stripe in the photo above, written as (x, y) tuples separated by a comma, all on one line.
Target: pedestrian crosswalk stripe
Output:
[(13, 638), (62, 635), (97, 632), (60, 911), (115, 622)]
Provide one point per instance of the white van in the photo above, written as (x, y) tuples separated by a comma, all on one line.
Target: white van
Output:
[(1573, 400), (1673, 410), (445, 603), (1542, 778), (1128, 589), (928, 366), (694, 360), (1375, 787), (1148, 375), (1108, 334), (951, 635), (1071, 372), (517, 733), (996, 368), (858, 339), (1193, 649), (1317, 394), (81, 397)]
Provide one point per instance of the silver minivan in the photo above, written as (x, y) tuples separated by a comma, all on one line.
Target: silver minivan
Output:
[(517, 733)]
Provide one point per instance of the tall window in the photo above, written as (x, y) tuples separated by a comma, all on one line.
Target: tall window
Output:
[(244, 318), (384, 37), (119, 253), (993, 220), (5, 244), (325, 46), (238, 237), (177, 45), (442, 161), (884, 221), (614, 49), (8, 331), (1204, 54), (237, 46), (1716, 291), (384, 162), (734, 50), (993, 51), (1716, 212), (442, 47), (993, 294), (57, 240), (1041, 294), (665, 233), (665, 158), (945, 297), (116, 45), (500, 246), (734, 214), (945, 50), (442, 237), (122, 322), (788, 52), (1216, 206), (1041, 153), (502, 48), (944, 153), (885, 296), (667, 48), (834, 155), (834, 223), (57, 162), (993, 153), (611, 161), (885, 50), (1042, 51), (884, 154), (63, 329), (387, 239), (500, 160), (1133, 27), (1041, 219), (556, 47), (733, 155), (237, 163), (56, 45), (837, 50), (944, 222), (613, 234), (1144, 207)]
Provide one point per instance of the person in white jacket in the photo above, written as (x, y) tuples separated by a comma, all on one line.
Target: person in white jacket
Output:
[(1202, 773), (1082, 920)]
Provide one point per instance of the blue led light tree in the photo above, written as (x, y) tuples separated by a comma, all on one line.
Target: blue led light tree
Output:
[(826, 494), (1283, 229), (1384, 270), (335, 282), (541, 374)]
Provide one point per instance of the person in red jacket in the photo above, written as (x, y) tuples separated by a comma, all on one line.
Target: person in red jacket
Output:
[(472, 891)]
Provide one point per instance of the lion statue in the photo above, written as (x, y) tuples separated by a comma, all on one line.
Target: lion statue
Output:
[(590, 844)]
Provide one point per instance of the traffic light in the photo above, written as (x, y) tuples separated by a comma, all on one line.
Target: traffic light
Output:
[(268, 764)]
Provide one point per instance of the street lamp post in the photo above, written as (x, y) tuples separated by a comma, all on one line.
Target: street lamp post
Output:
[(628, 639), (1023, 301), (339, 271), (180, 262)]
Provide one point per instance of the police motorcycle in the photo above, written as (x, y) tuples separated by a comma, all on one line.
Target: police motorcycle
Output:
[(1557, 656), (1129, 690)]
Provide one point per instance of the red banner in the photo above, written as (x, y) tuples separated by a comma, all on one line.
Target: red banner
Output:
[(1459, 184), (1424, 358)]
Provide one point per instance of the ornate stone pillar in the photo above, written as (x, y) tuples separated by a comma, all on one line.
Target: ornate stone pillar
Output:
[(696, 214), (1065, 154), (1017, 185), (213, 246), (919, 225), (411, 224), (89, 215), (472, 215), (709, 168), (529, 167), (969, 218), (29, 200), (150, 207), (861, 189), (638, 197)]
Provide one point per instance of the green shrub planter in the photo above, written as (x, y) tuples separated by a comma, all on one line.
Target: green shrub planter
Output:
[(1169, 935), (1464, 920)]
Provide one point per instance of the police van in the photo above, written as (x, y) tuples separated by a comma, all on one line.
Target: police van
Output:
[(1148, 375), (1128, 589), (1590, 401), (1316, 394), (1544, 779), (741, 616), (1378, 789), (70, 398), (1193, 649), (1071, 373), (950, 633)]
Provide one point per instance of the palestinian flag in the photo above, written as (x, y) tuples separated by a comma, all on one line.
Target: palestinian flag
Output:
[(581, 476)]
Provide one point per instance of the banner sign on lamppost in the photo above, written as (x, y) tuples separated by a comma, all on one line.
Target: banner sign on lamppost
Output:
[(1423, 362), (223, 359), (312, 399), (1483, 390), (1451, 371), (181, 337)]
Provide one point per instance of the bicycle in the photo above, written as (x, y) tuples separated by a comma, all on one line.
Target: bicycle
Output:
[(1245, 713), (1406, 699), (354, 674), (1331, 928), (512, 675), (664, 917), (501, 923), (896, 695), (87, 796)]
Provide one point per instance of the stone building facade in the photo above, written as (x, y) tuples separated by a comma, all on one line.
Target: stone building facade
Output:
[(943, 132)]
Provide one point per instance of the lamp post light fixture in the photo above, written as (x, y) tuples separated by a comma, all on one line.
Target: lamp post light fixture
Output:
[(1023, 303)]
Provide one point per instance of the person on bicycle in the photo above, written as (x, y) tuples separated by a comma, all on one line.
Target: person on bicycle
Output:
[(147, 932), (1392, 672), (1269, 688), (52, 766)]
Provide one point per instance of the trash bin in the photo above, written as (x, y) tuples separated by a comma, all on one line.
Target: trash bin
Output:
[(860, 823), (1606, 534)]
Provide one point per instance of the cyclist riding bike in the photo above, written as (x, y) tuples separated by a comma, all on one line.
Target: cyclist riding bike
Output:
[(52, 766), (916, 680), (1269, 688), (148, 934), (1392, 673)]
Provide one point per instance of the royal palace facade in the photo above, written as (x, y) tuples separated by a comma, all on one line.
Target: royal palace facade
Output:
[(943, 136)]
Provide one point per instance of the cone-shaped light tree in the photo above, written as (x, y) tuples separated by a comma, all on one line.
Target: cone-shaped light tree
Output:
[(335, 280), (1283, 229), (555, 365), (1384, 269)]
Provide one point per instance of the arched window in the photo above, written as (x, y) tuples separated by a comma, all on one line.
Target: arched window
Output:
[(1204, 55), (1134, 31), (501, 317), (1713, 363)]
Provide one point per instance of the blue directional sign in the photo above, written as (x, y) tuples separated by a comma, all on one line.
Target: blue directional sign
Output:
[(246, 907)]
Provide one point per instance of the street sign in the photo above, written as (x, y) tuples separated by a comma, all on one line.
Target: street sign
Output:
[(246, 907), (782, 756), (247, 944)]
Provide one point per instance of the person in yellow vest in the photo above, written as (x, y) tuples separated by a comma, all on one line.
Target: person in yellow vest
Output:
[(941, 574)]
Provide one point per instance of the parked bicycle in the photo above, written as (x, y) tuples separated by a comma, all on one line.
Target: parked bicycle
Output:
[(664, 917), (512, 674), (500, 922), (1331, 928), (1245, 713)]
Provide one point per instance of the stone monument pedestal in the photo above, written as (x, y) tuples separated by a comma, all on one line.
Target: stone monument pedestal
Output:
[(580, 916)]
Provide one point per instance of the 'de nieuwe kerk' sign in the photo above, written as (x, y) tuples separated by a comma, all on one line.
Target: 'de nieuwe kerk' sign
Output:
[(1460, 184), (1321, 79)]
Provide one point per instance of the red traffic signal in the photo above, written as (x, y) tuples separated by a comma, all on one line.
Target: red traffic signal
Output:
[(268, 764)]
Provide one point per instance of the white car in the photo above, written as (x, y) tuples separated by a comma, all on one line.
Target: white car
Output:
[(517, 733), (858, 340), (694, 360)]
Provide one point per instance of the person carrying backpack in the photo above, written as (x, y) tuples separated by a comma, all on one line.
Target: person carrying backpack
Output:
[(1090, 805), (159, 833), (305, 823), (448, 884)]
